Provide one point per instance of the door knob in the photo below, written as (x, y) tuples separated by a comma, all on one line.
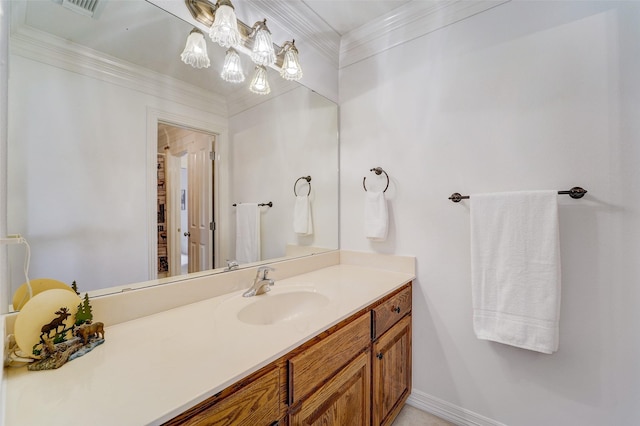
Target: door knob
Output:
[(187, 234)]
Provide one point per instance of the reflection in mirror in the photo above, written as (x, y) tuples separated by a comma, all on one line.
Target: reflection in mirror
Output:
[(88, 99)]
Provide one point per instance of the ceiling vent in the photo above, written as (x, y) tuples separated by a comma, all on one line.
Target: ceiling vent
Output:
[(91, 8)]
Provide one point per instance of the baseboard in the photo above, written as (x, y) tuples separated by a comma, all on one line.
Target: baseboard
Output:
[(448, 411)]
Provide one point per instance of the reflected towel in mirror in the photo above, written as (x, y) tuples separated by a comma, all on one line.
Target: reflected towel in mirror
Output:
[(302, 222), (247, 232)]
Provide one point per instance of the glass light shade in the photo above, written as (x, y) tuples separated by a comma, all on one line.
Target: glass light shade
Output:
[(195, 51), (232, 68), (260, 84), (291, 69), (262, 52), (224, 30)]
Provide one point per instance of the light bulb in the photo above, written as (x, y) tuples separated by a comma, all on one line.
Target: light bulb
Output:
[(224, 30), (195, 51), (291, 69), (262, 52), (232, 68), (260, 84)]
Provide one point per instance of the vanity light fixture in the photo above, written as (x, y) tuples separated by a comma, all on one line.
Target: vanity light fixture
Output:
[(195, 51), (259, 83), (262, 52), (290, 69), (224, 29), (230, 32), (232, 68)]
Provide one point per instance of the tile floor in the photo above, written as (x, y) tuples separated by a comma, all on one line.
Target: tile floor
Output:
[(411, 416)]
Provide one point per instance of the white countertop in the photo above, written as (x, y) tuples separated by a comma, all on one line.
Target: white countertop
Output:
[(151, 369)]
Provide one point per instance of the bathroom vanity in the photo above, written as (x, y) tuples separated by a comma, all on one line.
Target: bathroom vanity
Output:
[(357, 372), (330, 343)]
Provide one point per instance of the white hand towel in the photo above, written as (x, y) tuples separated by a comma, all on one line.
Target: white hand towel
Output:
[(247, 233), (515, 268), (376, 219), (302, 222)]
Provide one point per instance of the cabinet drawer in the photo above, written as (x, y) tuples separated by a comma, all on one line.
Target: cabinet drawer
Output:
[(255, 403), (312, 367), (390, 312)]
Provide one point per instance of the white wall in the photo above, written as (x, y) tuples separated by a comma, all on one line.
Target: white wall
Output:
[(103, 179), (528, 95), (272, 145)]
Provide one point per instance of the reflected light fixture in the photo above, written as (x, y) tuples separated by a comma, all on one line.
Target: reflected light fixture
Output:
[(263, 52), (239, 38), (195, 51), (290, 69), (259, 83), (232, 68), (224, 29)]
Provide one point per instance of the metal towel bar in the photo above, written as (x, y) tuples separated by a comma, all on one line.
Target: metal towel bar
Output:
[(575, 192)]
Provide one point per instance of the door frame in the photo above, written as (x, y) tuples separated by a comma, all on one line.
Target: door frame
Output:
[(202, 122)]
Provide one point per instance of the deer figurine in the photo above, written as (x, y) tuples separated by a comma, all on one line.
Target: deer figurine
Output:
[(63, 314)]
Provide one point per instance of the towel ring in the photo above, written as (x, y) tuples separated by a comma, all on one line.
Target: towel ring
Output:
[(378, 171), (308, 179)]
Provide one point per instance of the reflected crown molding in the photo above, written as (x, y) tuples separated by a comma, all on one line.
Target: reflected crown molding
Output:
[(303, 23), (45, 48)]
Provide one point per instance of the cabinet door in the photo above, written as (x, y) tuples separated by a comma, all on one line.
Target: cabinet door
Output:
[(343, 400), (317, 363), (255, 404), (391, 372)]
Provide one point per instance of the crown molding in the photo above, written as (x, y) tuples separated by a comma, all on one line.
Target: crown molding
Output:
[(45, 48), (303, 24), (407, 22)]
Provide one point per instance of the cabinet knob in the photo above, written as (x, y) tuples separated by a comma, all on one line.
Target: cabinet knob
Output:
[(276, 423), (379, 355), (396, 309)]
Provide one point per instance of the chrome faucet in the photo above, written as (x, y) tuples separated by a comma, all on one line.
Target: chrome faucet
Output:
[(261, 283), (232, 265)]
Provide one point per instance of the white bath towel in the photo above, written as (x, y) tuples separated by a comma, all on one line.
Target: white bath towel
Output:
[(247, 233), (376, 218), (515, 268), (302, 222)]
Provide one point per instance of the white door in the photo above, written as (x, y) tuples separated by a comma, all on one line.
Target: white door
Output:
[(199, 172)]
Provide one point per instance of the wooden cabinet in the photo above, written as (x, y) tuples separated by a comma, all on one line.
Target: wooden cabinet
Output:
[(250, 402), (358, 372), (390, 311), (344, 400), (317, 362), (391, 371)]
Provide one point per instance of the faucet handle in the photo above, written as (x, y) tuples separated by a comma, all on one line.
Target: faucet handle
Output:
[(263, 271), (231, 265)]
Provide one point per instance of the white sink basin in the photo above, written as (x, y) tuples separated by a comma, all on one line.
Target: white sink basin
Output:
[(275, 308)]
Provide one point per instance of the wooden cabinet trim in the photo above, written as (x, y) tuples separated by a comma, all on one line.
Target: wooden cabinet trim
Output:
[(275, 368), (247, 405)]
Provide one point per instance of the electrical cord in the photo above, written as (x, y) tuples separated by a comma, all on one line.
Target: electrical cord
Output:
[(18, 239)]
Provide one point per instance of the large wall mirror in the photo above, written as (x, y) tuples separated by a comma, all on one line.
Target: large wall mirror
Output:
[(102, 112)]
